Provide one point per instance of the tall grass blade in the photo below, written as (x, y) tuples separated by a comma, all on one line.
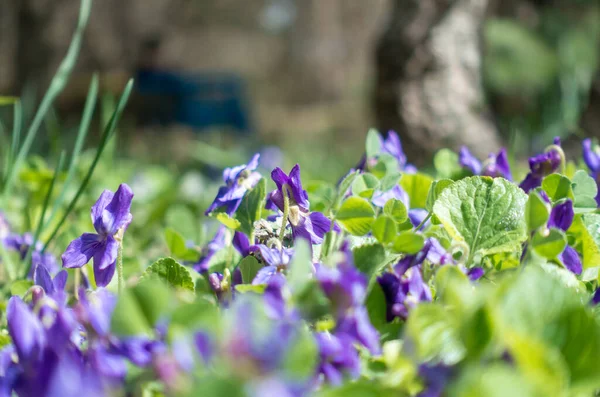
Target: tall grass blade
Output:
[(56, 87), (40, 223), (108, 132)]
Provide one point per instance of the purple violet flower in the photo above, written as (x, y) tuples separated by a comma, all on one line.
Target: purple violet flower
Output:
[(22, 243), (540, 166), (495, 166), (338, 357), (238, 180), (111, 216), (592, 160), (561, 216), (215, 245), (311, 226)]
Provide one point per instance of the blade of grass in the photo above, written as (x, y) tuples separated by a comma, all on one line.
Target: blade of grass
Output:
[(110, 127), (40, 223), (16, 135), (56, 87), (84, 127)]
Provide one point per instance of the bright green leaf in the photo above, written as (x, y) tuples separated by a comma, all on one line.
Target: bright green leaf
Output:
[(487, 214), (417, 186), (356, 215), (408, 242), (177, 246), (431, 330), (586, 232), (557, 187), (584, 190), (434, 192), (172, 272), (396, 210), (20, 287), (446, 164), (364, 185), (228, 221), (384, 229), (300, 267), (549, 243), (373, 143), (369, 258), (537, 211), (249, 267), (250, 209)]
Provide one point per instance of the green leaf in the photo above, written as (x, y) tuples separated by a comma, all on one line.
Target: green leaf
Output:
[(321, 195), (127, 317), (389, 181), (432, 333), (376, 306), (417, 186), (177, 246), (396, 210), (181, 219), (494, 380), (249, 267), (542, 365), (153, 297), (373, 143), (584, 190), (139, 308), (228, 221), (369, 258), (356, 216), (557, 187), (343, 188), (250, 209), (20, 287), (172, 272), (300, 268), (408, 242), (364, 185), (301, 356), (453, 288), (487, 214), (537, 211), (245, 288), (386, 165), (586, 232), (384, 229), (435, 190), (549, 243), (446, 164)]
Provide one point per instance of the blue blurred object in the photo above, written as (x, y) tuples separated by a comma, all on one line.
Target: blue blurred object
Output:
[(200, 100)]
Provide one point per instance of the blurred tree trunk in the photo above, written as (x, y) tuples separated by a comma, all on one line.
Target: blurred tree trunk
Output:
[(317, 50), (8, 44), (428, 84)]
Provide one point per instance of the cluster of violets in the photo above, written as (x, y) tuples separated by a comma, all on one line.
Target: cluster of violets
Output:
[(62, 345)]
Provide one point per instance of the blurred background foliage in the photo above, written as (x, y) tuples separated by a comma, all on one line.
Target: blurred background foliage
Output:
[(309, 71)]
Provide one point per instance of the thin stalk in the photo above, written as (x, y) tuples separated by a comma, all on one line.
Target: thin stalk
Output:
[(40, 224), (84, 127), (286, 211), (120, 279), (76, 283), (423, 222)]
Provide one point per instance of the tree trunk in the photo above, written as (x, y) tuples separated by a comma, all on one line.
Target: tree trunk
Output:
[(428, 85)]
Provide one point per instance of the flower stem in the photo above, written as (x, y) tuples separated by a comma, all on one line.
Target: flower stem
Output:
[(120, 267), (286, 211), (420, 225), (76, 283)]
